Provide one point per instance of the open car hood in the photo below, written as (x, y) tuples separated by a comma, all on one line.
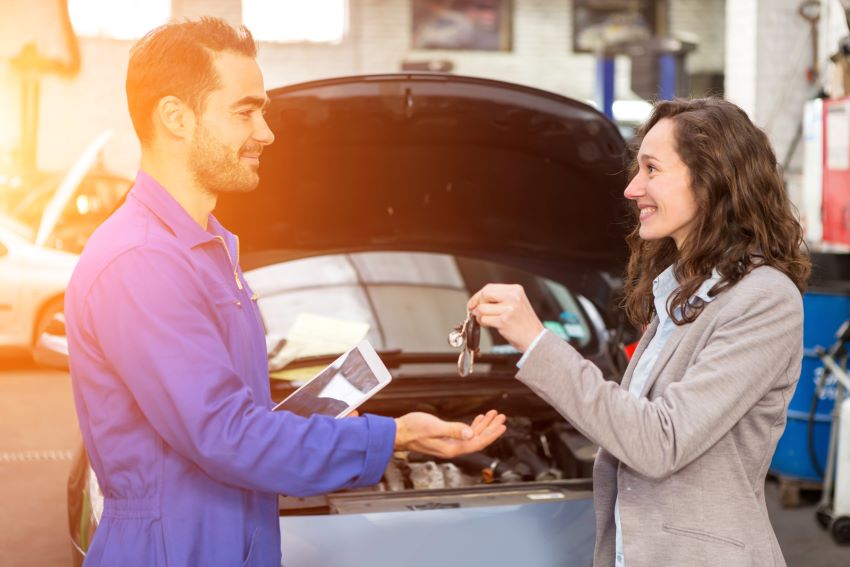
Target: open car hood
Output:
[(436, 163), (68, 187)]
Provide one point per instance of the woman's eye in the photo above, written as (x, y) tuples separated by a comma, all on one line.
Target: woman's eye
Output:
[(650, 168)]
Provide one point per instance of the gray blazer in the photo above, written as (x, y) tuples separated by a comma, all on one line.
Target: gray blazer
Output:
[(689, 459)]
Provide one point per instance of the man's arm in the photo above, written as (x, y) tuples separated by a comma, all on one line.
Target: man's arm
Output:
[(147, 315)]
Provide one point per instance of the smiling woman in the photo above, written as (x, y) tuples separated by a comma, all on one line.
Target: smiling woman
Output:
[(117, 19)]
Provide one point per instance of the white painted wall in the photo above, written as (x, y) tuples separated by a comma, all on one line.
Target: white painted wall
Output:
[(74, 111)]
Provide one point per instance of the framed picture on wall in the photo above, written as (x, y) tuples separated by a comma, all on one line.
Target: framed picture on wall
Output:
[(600, 22), (484, 25)]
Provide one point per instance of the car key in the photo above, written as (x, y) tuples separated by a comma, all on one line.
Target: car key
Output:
[(456, 338), (466, 335), (473, 338)]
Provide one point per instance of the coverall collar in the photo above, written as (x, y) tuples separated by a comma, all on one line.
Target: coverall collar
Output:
[(156, 198)]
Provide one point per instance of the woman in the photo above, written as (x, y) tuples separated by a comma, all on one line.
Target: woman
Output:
[(716, 275)]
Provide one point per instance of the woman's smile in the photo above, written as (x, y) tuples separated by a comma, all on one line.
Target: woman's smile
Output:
[(646, 211)]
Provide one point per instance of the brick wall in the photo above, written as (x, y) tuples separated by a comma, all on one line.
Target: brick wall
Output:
[(74, 111), (704, 20)]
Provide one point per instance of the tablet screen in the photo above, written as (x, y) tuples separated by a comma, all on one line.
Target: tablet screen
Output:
[(338, 389)]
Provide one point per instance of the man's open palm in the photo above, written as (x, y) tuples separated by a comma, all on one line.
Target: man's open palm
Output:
[(425, 433)]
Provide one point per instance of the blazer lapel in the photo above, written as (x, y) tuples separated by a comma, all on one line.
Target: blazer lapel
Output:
[(666, 353), (644, 342)]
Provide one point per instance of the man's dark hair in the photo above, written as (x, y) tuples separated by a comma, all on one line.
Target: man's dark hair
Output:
[(176, 59)]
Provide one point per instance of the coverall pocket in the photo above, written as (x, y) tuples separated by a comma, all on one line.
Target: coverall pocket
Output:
[(247, 561)]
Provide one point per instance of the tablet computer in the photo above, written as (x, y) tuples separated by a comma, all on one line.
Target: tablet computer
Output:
[(354, 377)]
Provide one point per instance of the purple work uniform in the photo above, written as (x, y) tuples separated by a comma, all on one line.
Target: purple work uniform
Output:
[(170, 378)]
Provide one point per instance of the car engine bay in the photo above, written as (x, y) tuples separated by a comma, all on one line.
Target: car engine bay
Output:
[(535, 460)]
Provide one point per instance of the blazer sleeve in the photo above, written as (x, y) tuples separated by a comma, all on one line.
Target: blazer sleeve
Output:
[(755, 343)]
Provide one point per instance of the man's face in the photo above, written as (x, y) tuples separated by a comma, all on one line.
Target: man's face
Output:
[(230, 132)]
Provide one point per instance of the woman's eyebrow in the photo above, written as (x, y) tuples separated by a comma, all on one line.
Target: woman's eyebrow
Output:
[(647, 157)]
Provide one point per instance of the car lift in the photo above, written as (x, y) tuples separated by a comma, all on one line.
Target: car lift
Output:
[(658, 70), (32, 65), (833, 512)]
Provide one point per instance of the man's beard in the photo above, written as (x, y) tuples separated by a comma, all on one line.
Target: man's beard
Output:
[(217, 168)]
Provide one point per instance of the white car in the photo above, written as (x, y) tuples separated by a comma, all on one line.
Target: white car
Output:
[(32, 284), (41, 236)]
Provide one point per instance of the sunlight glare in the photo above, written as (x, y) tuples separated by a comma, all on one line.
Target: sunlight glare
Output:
[(117, 19), (288, 21)]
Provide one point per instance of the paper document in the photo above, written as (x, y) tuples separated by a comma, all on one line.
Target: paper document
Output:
[(315, 335)]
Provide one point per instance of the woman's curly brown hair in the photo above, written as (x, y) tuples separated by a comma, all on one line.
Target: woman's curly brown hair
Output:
[(745, 218)]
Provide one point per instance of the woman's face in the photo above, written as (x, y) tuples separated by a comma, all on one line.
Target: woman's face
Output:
[(662, 187)]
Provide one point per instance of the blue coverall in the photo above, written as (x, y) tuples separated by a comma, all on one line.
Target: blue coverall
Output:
[(170, 378)]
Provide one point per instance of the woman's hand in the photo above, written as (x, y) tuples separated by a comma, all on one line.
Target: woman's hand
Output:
[(425, 433), (507, 309)]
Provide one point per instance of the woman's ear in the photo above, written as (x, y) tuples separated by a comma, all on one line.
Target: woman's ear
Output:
[(175, 117)]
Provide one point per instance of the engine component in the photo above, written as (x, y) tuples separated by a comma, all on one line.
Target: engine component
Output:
[(539, 468), (488, 469), (426, 475), (393, 477), (452, 476), (573, 452)]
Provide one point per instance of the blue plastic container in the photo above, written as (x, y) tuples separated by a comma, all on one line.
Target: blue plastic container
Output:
[(823, 315)]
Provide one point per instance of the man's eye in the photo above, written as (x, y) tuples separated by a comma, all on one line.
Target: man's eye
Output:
[(246, 113)]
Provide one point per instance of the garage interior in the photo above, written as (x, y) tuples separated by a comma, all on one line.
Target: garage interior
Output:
[(785, 62)]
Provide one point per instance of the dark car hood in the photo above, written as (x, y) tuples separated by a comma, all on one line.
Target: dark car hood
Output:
[(436, 163)]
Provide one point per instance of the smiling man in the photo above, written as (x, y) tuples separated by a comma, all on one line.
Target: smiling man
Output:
[(167, 349)]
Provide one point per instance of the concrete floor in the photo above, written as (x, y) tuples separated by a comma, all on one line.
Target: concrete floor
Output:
[(803, 542)]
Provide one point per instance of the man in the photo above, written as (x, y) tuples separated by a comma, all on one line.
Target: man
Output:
[(167, 352)]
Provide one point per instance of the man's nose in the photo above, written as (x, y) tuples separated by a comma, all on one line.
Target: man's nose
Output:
[(263, 133)]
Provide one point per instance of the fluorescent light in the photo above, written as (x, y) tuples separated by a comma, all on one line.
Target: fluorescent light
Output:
[(117, 19), (292, 21)]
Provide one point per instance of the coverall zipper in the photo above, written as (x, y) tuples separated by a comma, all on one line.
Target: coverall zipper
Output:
[(230, 258)]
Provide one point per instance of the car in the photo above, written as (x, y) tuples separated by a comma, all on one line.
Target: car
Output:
[(42, 232), (385, 202), (32, 283)]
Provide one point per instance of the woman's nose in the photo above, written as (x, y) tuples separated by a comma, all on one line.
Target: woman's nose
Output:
[(635, 188)]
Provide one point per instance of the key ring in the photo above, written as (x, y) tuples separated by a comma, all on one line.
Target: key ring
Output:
[(467, 336)]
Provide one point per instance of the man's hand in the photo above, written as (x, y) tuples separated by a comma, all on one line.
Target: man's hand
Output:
[(506, 309), (425, 433)]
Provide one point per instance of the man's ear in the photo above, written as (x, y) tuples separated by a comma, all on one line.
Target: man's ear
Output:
[(175, 117)]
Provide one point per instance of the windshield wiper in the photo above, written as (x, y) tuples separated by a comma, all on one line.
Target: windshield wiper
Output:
[(396, 357)]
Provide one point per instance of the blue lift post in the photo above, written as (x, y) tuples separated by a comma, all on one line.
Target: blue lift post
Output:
[(667, 66), (665, 57), (605, 84)]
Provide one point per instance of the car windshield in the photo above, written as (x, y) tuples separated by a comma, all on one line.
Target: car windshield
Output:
[(398, 301)]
